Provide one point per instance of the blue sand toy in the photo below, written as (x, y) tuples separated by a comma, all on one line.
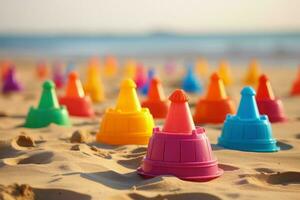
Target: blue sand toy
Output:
[(151, 73), (247, 130), (190, 82)]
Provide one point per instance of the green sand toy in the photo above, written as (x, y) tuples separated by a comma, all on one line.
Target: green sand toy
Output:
[(49, 111)]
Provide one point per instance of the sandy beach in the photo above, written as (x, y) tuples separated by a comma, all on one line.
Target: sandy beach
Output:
[(66, 163)]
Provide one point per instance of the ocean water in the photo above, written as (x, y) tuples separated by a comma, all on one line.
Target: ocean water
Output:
[(281, 47)]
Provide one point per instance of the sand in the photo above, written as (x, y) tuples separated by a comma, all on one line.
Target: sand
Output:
[(66, 163)]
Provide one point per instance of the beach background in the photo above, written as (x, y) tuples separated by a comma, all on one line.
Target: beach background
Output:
[(66, 163)]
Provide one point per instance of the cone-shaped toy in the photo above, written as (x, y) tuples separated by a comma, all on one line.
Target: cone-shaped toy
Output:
[(49, 111), (156, 101), (58, 75), (127, 123), (216, 105), (202, 67), (144, 90), (296, 85), (180, 148), (130, 69), (140, 76), (75, 100), (5, 66), (248, 131), (253, 73), (93, 85), (225, 72), (10, 83), (267, 103), (110, 66), (190, 82), (42, 70)]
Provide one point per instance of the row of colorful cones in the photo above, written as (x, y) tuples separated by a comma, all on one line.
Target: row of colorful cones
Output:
[(179, 148), (94, 86)]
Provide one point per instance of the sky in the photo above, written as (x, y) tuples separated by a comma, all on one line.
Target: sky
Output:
[(139, 16)]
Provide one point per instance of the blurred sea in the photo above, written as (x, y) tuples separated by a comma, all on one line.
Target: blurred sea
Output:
[(283, 47)]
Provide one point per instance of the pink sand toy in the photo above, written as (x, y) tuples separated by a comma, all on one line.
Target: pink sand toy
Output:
[(180, 148)]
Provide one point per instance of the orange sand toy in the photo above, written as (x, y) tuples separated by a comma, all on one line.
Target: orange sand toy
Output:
[(225, 72), (42, 70), (110, 66), (202, 67), (4, 68), (93, 85), (296, 85), (253, 73), (128, 122), (156, 101), (216, 105), (76, 102)]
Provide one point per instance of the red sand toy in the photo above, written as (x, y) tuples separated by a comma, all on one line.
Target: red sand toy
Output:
[(216, 105), (267, 103), (76, 102), (180, 148), (156, 101)]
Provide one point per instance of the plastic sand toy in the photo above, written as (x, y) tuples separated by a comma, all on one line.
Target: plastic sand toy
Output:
[(202, 67), (296, 85), (144, 90), (267, 103), (225, 72), (10, 83), (49, 111), (190, 82), (156, 101), (214, 107), (140, 76), (128, 122), (75, 100), (247, 130), (110, 66), (93, 85), (42, 70), (180, 148), (253, 73), (58, 76)]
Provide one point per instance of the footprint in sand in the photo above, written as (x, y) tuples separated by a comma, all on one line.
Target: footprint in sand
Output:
[(281, 178), (36, 158), (189, 196), (298, 136)]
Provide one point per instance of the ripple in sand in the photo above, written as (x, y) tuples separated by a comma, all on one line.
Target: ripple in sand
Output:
[(25, 192), (131, 163), (281, 178), (189, 196), (36, 158)]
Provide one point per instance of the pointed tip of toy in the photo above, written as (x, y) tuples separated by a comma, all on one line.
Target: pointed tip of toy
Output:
[(178, 96), (263, 78), (248, 91), (155, 81), (73, 75), (215, 76), (128, 83), (48, 85)]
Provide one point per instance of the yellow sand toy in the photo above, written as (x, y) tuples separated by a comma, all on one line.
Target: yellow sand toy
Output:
[(93, 85), (252, 76), (225, 72), (128, 122)]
